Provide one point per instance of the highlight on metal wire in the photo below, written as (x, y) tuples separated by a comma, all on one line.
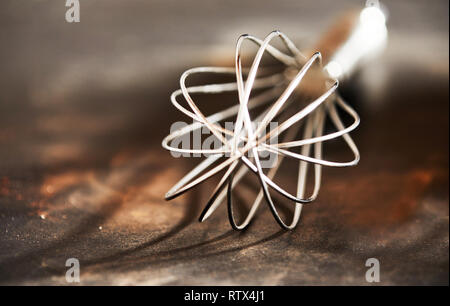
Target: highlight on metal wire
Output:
[(275, 94)]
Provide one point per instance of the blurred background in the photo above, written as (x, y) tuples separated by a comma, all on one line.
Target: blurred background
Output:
[(84, 107)]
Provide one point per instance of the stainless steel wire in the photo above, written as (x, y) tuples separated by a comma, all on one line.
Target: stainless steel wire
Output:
[(245, 139), (357, 37)]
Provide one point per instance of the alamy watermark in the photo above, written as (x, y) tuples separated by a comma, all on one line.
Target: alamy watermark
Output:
[(373, 273), (202, 139), (73, 273), (73, 11)]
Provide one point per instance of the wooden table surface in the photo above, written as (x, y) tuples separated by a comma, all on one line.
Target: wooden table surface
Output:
[(83, 110)]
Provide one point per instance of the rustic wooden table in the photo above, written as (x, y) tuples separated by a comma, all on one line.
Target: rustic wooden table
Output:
[(84, 107)]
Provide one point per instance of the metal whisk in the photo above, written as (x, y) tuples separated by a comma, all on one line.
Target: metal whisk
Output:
[(352, 40)]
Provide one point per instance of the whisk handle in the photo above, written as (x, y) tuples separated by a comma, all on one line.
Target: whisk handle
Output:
[(356, 37)]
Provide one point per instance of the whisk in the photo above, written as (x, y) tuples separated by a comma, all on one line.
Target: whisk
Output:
[(355, 38)]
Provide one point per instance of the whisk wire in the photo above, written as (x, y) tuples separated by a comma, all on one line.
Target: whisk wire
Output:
[(244, 139)]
